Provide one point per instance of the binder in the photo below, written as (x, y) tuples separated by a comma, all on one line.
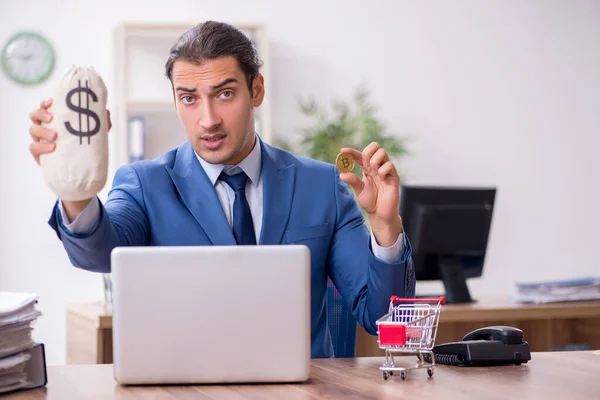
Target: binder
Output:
[(35, 370)]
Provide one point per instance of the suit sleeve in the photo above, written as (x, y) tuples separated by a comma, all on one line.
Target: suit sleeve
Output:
[(364, 281), (86, 221), (122, 222), (391, 254)]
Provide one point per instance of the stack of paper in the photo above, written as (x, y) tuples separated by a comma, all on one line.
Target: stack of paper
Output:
[(17, 314), (558, 291)]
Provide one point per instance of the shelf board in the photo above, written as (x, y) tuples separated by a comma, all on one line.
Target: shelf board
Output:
[(170, 30), (150, 106)]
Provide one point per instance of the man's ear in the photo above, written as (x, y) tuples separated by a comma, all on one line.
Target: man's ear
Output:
[(258, 90)]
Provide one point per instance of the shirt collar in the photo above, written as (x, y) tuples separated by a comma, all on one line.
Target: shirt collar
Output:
[(250, 165)]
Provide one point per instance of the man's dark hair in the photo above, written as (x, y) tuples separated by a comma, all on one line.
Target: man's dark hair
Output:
[(211, 40)]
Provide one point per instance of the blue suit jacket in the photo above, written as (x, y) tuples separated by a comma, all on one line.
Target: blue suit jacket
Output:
[(170, 201)]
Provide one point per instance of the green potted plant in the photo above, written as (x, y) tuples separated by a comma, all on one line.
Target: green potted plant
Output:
[(346, 125)]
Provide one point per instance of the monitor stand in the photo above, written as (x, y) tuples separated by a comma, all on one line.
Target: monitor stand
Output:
[(455, 282)]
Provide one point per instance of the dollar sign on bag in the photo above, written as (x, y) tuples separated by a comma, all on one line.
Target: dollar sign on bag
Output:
[(82, 109)]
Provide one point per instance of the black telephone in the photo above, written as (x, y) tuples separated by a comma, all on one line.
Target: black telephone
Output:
[(492, 345)]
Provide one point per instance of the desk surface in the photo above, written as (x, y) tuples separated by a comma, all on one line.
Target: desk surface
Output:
[(493, 308), (566, 375)]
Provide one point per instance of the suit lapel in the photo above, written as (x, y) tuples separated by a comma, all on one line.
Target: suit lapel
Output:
[(278, 190), (199, 196)]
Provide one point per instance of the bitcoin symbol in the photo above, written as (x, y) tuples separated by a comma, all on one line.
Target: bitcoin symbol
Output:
[(344, 162), (82, 109)]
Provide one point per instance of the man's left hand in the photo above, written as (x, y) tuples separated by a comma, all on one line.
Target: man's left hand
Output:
[(378, 193)]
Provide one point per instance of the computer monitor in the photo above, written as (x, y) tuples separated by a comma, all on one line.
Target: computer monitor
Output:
[(448, 228)]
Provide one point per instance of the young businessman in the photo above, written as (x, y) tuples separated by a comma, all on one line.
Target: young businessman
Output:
[(225, 186)]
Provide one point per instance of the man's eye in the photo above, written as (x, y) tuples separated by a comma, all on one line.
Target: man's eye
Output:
[(187, 100), (227, 94)]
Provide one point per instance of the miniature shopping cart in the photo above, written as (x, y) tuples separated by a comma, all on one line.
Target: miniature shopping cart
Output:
[(410, 326)]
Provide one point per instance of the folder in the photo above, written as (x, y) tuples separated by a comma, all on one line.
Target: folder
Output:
[(23, 370), (22, 359)]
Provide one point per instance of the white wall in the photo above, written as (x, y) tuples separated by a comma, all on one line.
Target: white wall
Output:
[(504, 93)]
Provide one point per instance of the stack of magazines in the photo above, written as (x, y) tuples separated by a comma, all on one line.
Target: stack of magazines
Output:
[(581, 289), (22, 361)]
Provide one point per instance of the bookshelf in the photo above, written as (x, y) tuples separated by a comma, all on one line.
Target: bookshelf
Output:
[(143, 93)]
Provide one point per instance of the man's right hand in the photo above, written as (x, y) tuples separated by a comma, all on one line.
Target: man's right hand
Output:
[(43, 143)]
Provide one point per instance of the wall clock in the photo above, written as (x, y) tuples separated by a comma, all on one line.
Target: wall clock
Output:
[(28, 58)]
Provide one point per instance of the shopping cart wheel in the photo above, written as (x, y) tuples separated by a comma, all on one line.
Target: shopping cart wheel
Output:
[(430, 372), (391, 373), (403, 375), (385, 375)]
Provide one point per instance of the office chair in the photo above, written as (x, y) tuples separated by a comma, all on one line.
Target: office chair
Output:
[(342, 324)]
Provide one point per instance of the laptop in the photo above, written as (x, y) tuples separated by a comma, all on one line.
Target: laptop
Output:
[(211, 314)]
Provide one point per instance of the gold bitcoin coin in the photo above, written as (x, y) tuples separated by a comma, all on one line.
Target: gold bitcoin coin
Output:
[(344, 162)]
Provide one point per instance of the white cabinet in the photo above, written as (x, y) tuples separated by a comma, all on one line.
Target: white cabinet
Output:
[(143, 93)]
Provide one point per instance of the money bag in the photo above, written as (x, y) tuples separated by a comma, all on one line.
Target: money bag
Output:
[(77, 169)]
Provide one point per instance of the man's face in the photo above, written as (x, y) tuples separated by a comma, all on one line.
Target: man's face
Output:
[(216, 109)]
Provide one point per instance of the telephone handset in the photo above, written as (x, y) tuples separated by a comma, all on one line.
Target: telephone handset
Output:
[(504, 334), (492, 345)]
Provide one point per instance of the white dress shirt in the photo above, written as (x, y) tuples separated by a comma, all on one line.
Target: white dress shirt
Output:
[(87, 220)]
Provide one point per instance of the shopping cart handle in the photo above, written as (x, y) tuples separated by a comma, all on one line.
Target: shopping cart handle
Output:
[(396, 299)]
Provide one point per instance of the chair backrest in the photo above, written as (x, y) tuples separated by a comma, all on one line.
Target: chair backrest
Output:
[(342, 323)]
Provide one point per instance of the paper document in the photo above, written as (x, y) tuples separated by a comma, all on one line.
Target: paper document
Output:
[(579, 289), (17, 314), (11, 302)]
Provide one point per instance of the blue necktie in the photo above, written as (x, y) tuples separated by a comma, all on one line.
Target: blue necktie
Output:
[(243, 228)]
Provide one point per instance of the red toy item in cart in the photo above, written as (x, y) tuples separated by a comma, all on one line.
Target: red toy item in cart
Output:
[(410, 326)]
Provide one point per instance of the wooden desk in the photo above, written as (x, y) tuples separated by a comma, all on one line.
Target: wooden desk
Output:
[(557, 375), (545, 327), (89, 333)]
